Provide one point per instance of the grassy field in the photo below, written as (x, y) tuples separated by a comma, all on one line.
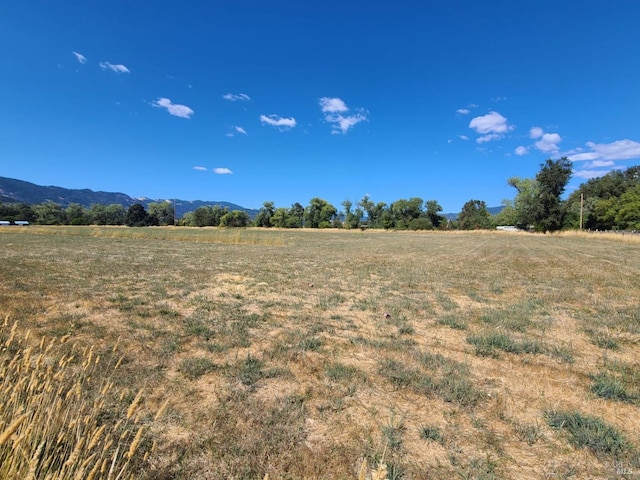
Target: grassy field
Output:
[(303, 354)]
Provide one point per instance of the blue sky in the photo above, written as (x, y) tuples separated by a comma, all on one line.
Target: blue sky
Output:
[(283, 100)]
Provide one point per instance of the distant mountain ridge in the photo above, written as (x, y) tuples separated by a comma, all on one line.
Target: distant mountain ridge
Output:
[(19, 191)]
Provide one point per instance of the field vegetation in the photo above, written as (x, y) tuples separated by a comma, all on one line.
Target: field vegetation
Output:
[(175, 353)]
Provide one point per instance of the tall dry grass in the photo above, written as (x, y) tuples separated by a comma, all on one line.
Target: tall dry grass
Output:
[(60, 416)]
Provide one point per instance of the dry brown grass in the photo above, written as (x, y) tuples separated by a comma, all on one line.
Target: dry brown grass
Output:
[(59, 413), (308, 354)]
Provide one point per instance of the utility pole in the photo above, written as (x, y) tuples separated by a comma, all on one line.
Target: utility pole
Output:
[(581, 207)]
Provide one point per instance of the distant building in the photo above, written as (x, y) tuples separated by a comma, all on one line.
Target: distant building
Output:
[(507, 228)]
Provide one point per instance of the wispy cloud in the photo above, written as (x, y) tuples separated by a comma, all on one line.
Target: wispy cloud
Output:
[(491, 126), (601, 158), (222, 171), (334, 108), (463, 111), (277, 121), (236, 129), (202, 169), (521, 150), (114, 68), (233, 97), (463, 137), (589, 174), (332, 105), (174, 109), (618, 150), (81, 58)]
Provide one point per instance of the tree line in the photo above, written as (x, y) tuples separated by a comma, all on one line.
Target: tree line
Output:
[(610, 202)]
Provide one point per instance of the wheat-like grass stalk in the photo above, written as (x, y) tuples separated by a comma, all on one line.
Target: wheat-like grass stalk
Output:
[(50, 413)]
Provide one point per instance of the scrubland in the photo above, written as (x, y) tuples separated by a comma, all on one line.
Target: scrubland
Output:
[(164, 353)]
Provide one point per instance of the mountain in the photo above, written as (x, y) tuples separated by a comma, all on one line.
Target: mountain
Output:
[(19, 191)]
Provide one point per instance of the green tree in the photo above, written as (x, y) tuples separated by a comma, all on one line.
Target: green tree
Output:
[(628, 215), (600, 199), (506, 216), (527, 202), (474, 216), (368, 207), (49, 213), (351, 218), (136, 216), (433, 210), (75, 214), (279, 218), (295, 216), (552, 180), (207, 216), (263, 218), (404, 211), (161, 213), (235, 218), (319, 214)]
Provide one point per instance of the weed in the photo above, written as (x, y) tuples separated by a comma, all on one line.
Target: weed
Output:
[(453, 321), (312, 344), (529, 433), (338, 372), (431, 433), (487, 344), (602, 339), (250, 371), (195, 367)]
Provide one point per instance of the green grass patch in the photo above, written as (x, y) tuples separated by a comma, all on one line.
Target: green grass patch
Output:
[(453, 321), (488, 344), (435, 375), (195, 367), (590, 432)]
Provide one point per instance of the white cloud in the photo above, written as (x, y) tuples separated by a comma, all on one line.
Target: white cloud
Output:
[(536, 132), (492, 126), (463, 111), (521, 150), (588, 174), (618, 150), (473, 105), (488, 137), (240, 130), (202, 169), (222, 171), (548, 143), (232, 97), (463, 137), (277, 121), (174, 109), (115, 68), (333, 105), (81, 58), (334, 108), (344, 123), (599, 164)]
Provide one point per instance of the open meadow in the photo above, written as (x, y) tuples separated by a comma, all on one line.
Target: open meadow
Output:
[(211, 353)]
